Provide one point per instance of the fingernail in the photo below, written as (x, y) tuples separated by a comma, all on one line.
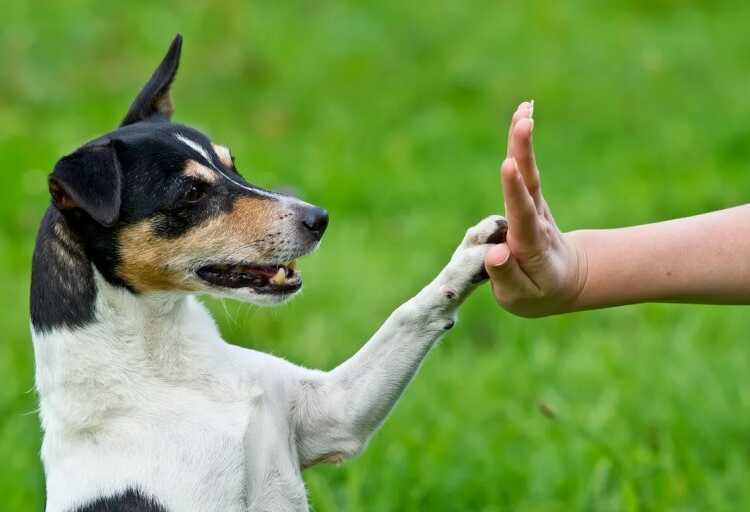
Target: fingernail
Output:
[(503, 261), (531, 124), (503, 258), (531, 108)]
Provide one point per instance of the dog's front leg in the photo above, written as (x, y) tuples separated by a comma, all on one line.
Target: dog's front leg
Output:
[(338, 411)]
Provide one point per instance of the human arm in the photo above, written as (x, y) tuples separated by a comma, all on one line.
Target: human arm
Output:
[(542, 271)]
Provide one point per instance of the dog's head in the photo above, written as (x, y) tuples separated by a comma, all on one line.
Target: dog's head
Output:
[(158, 207)]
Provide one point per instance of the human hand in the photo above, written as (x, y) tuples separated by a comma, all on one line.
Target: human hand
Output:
[(539, 270)]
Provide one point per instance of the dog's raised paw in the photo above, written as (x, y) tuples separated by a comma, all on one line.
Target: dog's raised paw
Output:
[(490, 230), (467, 264), (498, 236), (501, 232)]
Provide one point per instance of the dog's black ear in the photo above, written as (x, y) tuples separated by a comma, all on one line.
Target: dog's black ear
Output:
[(90, 179), (153, 102)]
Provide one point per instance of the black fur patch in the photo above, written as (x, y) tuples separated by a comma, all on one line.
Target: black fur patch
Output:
[(62, 281), (131, 500)]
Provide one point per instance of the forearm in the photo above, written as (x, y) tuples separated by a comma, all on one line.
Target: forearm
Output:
[(701, 259), (372, 380), (345, 406), (338, 411)]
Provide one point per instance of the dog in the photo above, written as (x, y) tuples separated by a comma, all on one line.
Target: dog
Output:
[(144, 407)]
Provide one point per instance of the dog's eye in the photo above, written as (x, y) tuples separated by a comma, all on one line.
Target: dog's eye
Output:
[(196, 192)]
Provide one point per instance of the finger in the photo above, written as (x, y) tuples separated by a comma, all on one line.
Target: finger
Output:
[(523, 152), (524, 110), (506, 276), (497, 256), (520, 210)]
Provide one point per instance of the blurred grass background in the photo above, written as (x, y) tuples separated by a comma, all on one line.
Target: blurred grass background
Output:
[(393, 114)]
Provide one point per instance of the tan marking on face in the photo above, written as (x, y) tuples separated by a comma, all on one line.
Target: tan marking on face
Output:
[(200, 171), (152, 263), (224, 155)]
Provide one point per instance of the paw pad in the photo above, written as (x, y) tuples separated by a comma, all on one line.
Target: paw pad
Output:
[(491, 230), (498, 237)]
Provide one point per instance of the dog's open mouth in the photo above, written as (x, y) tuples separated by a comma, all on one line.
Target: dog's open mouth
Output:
[(261, 278)]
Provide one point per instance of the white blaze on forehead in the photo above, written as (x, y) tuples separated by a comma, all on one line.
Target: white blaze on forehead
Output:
[(194, 146), (201, 151)]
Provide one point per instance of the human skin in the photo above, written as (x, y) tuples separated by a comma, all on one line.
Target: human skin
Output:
[(542, 271)]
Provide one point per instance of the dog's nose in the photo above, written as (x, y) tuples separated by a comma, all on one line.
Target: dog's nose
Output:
[(315, 220)]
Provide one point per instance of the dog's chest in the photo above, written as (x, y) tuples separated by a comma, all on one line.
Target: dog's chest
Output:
[(188, 454), (203, 428)]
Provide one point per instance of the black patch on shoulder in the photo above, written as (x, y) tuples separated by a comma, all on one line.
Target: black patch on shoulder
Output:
[(62, 280), (132, 500)]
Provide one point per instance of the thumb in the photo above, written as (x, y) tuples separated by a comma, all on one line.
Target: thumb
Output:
[(507, 276), (497, 256)]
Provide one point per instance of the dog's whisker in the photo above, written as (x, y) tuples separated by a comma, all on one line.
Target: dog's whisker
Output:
[(226, 310)]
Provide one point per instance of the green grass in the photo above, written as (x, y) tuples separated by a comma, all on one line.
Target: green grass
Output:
[(392, 114)]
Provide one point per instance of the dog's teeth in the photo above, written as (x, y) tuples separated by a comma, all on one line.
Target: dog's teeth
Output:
[(279, 277)]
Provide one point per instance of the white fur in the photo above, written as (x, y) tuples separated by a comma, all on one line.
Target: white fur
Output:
[(150, 396)]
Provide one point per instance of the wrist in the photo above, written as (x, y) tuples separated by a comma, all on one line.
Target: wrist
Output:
[(579, 264)]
